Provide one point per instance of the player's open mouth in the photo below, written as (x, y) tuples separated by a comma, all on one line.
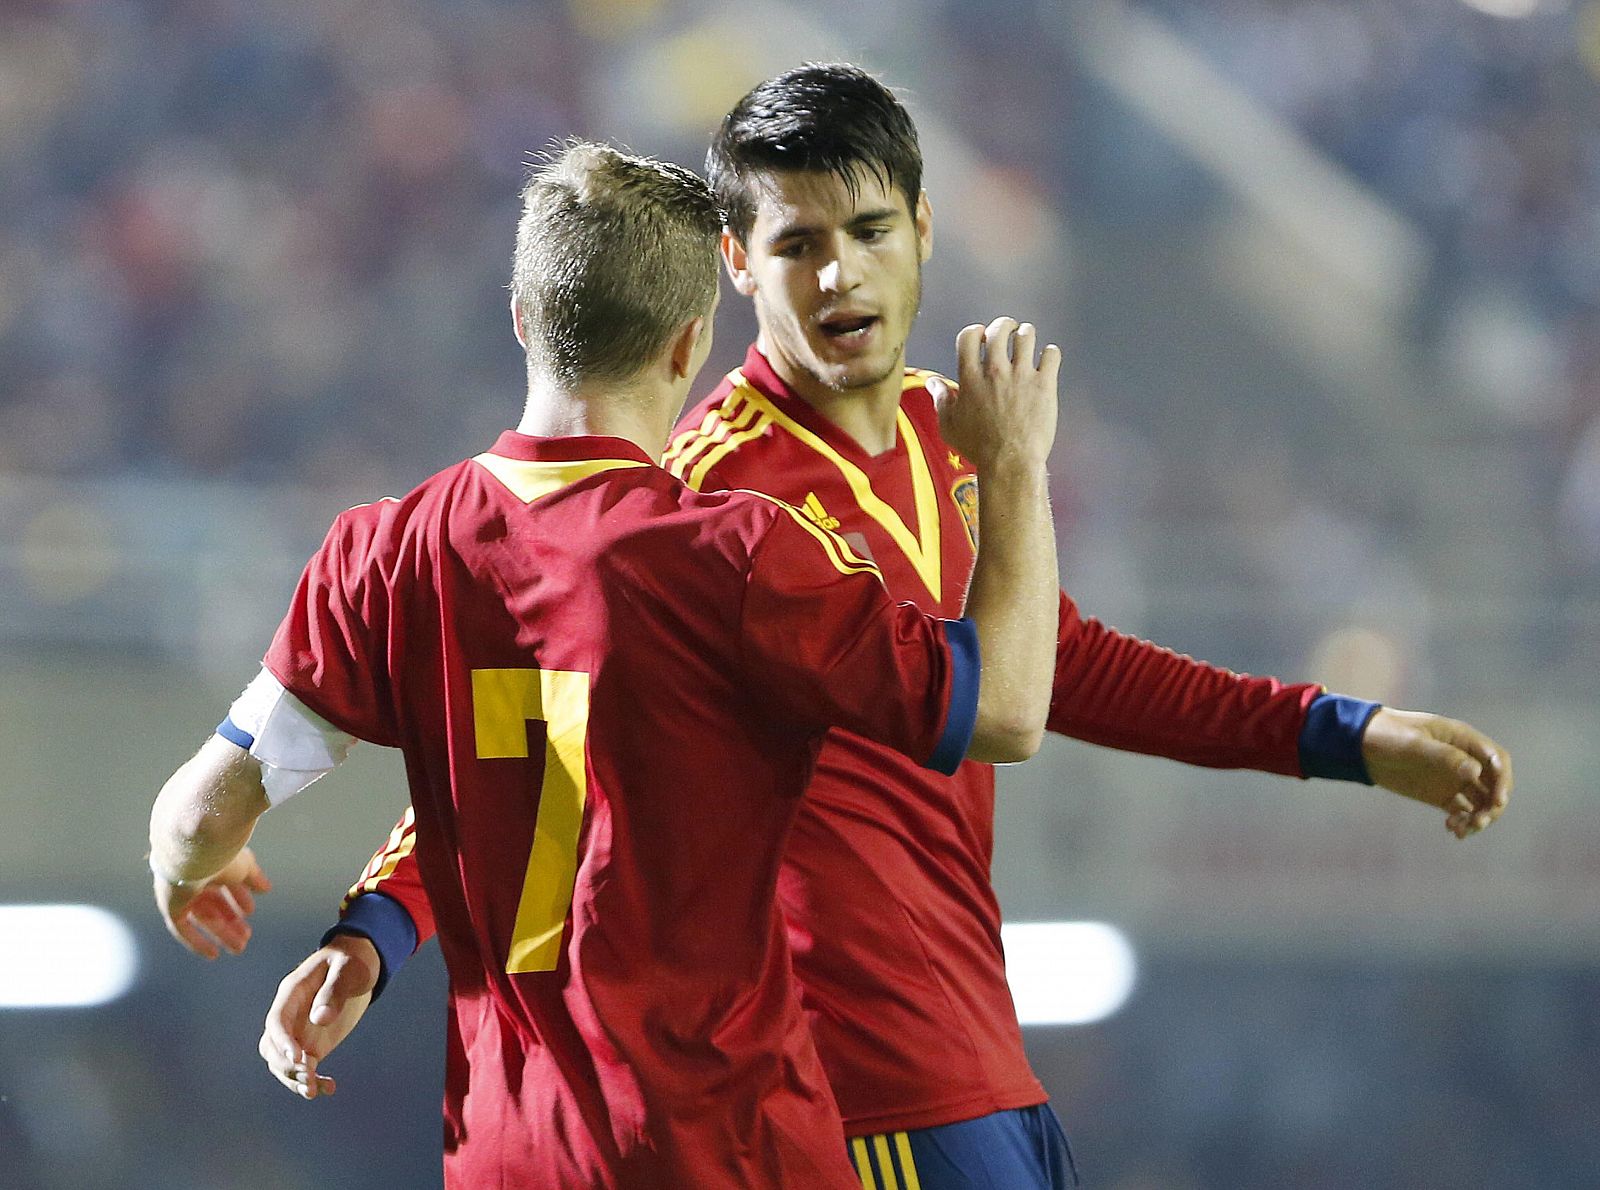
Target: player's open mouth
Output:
[(849, 330)]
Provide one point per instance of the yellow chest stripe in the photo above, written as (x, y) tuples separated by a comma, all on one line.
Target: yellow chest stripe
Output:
[(922, 548), (528, 481)]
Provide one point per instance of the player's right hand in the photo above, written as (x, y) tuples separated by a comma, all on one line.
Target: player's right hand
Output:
[(1441, 762), (1006, 407), (317, 1005), (215, 916)]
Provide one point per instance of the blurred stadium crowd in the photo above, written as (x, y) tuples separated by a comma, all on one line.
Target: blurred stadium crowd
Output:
[(1484, 132), (261, 242)]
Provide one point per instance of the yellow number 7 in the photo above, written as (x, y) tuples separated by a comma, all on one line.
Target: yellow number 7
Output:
[(503, 701)]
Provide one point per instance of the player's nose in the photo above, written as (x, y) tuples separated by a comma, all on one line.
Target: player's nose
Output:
[(840, 274)]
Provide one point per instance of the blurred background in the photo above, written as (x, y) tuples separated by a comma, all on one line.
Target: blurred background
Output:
[(1328, 277)]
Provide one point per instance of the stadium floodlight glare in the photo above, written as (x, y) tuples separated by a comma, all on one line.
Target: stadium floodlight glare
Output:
[(63, 956), (1067, 972)]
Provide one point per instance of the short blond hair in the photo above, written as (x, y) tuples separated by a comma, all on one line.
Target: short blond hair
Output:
[(614, 253)]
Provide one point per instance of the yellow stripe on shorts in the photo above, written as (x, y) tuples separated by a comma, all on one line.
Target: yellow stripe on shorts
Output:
[(858, 1149)]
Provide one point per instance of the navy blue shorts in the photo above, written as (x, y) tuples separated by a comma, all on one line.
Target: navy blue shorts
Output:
[(1023, 1149)]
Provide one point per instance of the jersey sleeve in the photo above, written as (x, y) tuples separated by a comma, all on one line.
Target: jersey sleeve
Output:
[(393, 871), (1127, 693), (824, 641), (329, 651), (387, 904)]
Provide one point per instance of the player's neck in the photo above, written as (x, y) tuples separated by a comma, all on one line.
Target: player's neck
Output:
[(868, 415), (609, 411)]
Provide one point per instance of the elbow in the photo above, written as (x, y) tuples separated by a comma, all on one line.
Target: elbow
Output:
[(1005, 739), (212, 801)]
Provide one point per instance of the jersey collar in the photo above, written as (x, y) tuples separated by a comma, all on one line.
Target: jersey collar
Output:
[(759, 373), (528, 448)]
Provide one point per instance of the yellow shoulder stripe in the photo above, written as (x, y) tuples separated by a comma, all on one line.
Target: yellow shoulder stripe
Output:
[(381, 866), (529, 481), (723, 430), (709, 423), (840, 552), (919, 377)]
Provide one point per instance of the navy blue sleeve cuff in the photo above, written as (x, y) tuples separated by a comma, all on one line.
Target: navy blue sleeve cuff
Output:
[(384, 922), (962, 717), (1330, 738), (235, 734)]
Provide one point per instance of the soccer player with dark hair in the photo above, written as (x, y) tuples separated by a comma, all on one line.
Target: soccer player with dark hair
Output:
[(885, 883), (610, 690)]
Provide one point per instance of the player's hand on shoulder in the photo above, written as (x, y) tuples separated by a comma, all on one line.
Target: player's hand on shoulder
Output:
[(1441, 762), (1005, 409), (316, 1007), (212, 917)]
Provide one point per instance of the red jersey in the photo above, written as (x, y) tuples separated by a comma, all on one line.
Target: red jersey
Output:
[(885, 885), (610, 691)]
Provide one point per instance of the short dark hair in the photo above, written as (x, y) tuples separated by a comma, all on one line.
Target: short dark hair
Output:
[(614, 254), (824, 116)]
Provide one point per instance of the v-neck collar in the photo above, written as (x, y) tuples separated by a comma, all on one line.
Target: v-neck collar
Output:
[(758, 371), (921, 546)]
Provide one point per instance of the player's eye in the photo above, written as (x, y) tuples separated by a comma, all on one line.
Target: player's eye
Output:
[(869, 235), (790, 249)]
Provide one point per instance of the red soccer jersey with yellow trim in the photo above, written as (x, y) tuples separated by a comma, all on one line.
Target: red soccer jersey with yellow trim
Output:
[(610, 691), (885, 882)]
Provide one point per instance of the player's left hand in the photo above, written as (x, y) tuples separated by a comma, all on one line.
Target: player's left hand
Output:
[(211, 917), (317, 1005), (1441, 762)]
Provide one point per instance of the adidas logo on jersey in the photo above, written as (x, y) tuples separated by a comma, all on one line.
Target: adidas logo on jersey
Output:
[(812, 507)]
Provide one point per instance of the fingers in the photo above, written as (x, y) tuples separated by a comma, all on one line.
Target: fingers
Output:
[(192, 936), (216, 910), (1050, 363), (1485, 770), (257, 880), (1022, 345), (997, 343), (285, 1033), (288, 1023), (1494, 764), (969, 348), (175, 904), (241, 896), (301, 1078)]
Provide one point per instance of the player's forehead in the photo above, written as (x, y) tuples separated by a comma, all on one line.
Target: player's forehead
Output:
[(787, 199)]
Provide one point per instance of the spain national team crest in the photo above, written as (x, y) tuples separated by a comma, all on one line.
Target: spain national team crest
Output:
[(965, 494)]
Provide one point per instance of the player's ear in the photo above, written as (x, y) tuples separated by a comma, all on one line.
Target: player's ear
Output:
[(689, 347), (737, 262), (924, 221), (516, 322)]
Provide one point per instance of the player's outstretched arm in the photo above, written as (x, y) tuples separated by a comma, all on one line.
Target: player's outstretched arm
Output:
[(1442, 763), (205, 877), (317, 1006), (1004, 420)]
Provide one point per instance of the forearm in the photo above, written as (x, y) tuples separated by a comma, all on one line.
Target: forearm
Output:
[(206, 811), (1013, 601), (1120, 691)]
